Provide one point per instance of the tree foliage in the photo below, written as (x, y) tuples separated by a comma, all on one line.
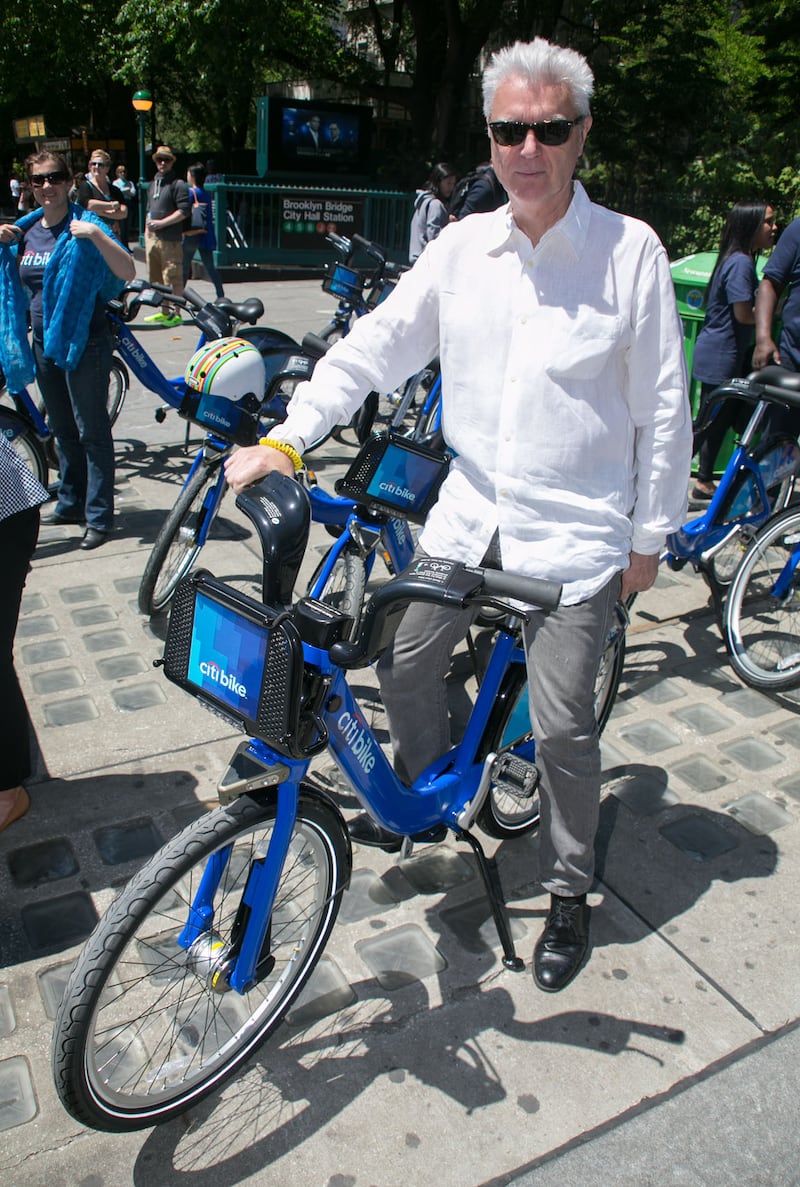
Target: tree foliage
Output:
[(695, 104)]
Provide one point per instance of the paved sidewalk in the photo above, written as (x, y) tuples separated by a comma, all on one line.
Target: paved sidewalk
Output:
[(414, 1056)]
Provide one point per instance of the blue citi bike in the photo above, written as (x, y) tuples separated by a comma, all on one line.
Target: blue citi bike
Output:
[(225, 421), (758, 481), (200, 957)]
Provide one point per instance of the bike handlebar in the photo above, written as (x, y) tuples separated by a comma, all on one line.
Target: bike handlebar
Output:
[(441, 582), (774, 384)]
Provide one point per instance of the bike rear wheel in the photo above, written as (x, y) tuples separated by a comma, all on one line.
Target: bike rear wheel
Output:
[(21, 436), (179, 542), (142, 1033), (762, 631), (507, 812)]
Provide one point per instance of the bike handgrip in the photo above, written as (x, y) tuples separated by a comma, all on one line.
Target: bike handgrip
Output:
[(534, 591), (314, 345), (193, 298), (370, 248)]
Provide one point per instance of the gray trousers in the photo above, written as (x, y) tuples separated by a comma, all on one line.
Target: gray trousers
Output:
[(563, 649)]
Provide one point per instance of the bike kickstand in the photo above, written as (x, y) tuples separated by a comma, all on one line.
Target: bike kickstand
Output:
[(494, 892)]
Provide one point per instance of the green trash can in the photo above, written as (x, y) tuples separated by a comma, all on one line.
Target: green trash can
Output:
[(690, 277)]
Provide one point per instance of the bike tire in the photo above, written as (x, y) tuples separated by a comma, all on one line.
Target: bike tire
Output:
[(762, 633), (141, 1034), (177, 547), (346, 584), (505, 815), (119, 382), (21, 436)]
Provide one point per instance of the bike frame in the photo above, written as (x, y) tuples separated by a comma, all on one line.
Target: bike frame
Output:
[(394, 533), (449, 792), (699, 538)]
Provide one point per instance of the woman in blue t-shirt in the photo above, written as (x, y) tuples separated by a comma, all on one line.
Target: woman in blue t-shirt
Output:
[(725, 343), (67, 263), (200, 239)]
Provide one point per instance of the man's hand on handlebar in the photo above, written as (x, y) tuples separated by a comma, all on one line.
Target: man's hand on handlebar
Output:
[(252, 463)]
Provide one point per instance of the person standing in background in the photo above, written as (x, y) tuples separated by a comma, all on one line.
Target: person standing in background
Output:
[(430, 209), (95, 194), (201, 239), (724, 346), (168, 212), (127, 192)]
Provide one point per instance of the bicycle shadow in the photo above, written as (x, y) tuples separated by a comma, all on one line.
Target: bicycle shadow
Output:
[(294, 1090)]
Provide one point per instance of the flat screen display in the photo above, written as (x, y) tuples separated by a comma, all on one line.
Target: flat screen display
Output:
[(226, 658), (305, 136)]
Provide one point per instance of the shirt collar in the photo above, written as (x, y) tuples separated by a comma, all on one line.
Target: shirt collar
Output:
[(573, 228)]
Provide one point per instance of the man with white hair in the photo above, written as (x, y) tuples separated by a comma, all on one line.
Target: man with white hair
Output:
[(564, 400)]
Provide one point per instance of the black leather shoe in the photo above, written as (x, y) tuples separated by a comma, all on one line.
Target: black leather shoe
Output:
[(563, 944), (55, 517), (92, 538), (365, 831)]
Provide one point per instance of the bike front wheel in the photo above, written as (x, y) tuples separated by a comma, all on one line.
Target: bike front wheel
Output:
[(509, 811), (118, 384), (147, 1027), (762, 629), (21, 436), (181, 537)]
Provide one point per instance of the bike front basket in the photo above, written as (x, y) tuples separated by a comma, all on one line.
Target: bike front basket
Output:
[(343, 282), (395, 475), (240, 659)]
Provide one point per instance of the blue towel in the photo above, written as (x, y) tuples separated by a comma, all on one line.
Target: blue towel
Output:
[(16, 357), (75, 275)]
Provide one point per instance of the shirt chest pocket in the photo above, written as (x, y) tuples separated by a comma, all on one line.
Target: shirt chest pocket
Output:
[(582, 349)]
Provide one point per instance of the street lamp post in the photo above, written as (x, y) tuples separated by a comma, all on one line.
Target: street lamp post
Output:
[(142, 103)]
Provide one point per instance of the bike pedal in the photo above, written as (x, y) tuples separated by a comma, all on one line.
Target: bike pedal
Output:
[(515, 776)]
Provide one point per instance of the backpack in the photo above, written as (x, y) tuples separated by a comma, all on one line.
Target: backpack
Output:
[(462, 188)]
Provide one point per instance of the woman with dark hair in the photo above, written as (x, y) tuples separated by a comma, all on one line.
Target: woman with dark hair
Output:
[(61, 263), (724, 346), (200, 238), (430, 208)]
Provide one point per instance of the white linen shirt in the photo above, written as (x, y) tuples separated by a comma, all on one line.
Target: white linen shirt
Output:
[(564, 391)]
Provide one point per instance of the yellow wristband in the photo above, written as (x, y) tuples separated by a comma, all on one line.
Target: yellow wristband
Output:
[(284, 447)]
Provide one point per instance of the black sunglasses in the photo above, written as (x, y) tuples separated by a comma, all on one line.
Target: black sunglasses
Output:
[(38, 179), (163, 160), (98, 164), (510, 132)]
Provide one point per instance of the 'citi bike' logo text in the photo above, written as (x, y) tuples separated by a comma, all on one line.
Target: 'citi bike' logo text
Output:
[(212, 671), (357, 740), (396, 491)]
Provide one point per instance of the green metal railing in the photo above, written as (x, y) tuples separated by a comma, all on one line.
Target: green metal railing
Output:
[(286, 224)]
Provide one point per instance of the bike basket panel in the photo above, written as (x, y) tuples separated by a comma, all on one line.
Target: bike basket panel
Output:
[(396, 475), (340, 281), (237, 658), (237, 422)]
